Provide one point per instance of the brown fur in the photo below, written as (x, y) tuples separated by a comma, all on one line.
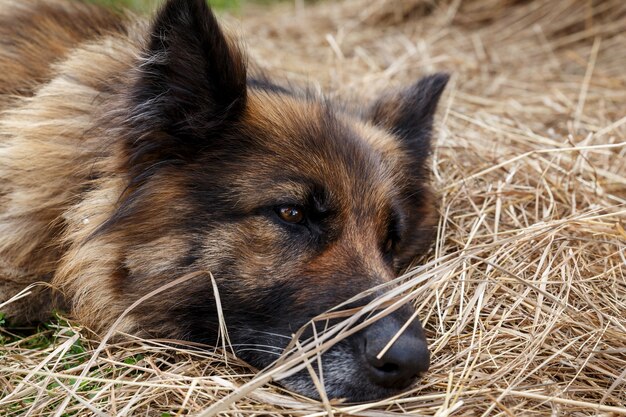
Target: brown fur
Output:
[(109, 191)]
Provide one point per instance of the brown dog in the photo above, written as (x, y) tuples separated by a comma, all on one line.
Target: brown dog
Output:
[(134, 153)]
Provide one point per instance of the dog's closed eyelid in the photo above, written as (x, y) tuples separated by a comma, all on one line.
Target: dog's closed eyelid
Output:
[(394, 229)]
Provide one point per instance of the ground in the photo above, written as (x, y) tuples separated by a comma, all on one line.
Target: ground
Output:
[(523, 296)]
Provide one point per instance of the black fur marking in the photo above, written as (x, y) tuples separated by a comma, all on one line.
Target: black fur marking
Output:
[(193, 254), (264, 83)]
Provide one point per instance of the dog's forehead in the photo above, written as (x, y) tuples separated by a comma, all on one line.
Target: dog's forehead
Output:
[(309, 141)]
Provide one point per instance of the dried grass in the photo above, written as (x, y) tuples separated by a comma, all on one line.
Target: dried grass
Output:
[(524, 296)]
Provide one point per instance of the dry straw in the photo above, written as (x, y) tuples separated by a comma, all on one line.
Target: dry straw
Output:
[(524, 294)]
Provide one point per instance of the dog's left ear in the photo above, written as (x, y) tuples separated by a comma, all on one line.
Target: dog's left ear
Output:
[(409, 113)]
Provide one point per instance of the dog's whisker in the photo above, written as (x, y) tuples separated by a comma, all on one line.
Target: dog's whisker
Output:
[(237, 345), (258, 351), (282, 336)]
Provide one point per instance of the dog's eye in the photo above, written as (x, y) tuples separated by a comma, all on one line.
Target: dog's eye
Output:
[(290, 214)]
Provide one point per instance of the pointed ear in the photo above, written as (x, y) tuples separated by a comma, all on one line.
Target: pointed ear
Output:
[(192, 80), (409, 113)]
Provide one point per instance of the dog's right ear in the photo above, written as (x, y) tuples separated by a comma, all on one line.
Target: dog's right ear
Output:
[(192, 82), (409, 114)]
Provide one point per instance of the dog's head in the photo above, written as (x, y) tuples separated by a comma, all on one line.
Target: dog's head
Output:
[(293, 204)]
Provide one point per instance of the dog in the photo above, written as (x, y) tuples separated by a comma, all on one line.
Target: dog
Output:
[(134, 153)]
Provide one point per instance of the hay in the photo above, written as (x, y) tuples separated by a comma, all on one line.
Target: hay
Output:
[(524, 295)]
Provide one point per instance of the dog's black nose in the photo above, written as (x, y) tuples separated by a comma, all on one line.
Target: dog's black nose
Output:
[(404, 361)]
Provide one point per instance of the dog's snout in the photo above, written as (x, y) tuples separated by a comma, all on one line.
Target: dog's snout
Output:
[(400, 363)]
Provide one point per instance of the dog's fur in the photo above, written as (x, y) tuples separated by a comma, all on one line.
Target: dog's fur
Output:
[(133, 153)]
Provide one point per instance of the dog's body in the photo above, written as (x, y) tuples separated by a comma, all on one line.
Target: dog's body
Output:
[(133, 154)]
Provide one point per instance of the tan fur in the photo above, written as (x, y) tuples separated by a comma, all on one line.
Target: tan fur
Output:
[(47, 147)]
